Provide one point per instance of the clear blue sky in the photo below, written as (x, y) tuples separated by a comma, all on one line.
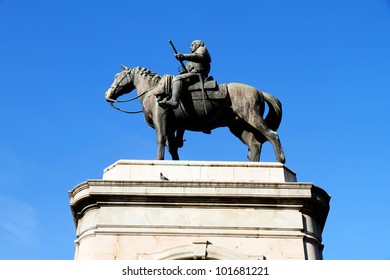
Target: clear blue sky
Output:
[(327, 61)]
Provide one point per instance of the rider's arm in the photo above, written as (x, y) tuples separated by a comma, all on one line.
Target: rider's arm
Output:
[(200, 55)]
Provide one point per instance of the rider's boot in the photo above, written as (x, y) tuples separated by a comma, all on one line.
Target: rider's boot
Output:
[(176, 90)]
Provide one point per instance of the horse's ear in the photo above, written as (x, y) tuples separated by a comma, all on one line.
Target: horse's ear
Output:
[(124, 67)]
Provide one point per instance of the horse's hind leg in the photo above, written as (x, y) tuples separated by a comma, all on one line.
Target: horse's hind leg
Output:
[(248, 104), (254, 146), (249, 139), (257, 122)]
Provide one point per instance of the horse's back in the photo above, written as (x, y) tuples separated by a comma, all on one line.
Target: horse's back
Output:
[(240, 88)]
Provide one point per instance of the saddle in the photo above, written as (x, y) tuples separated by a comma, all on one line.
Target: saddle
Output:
[(200, 92), (208, 89)]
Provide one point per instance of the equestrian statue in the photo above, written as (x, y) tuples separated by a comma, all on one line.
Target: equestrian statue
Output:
[(194, 101)]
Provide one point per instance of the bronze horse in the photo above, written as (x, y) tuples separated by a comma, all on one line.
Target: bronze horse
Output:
[(241, 110)]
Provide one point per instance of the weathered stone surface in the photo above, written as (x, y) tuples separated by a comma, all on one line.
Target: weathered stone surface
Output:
[(242, 111), (209, 171), (212, 210)]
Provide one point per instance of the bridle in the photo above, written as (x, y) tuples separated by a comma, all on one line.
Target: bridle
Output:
[(112, 101)]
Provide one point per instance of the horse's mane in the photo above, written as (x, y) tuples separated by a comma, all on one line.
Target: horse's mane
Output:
[(146, 72)]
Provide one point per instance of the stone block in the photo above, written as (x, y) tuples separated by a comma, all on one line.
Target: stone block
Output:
[(207, 210)]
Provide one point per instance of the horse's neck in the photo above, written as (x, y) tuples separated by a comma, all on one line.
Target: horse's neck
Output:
[(144, 82)]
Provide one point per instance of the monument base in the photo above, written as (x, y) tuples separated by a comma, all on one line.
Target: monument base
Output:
[(206, 210)]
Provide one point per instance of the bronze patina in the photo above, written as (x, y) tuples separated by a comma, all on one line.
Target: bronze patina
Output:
[(195, 101)]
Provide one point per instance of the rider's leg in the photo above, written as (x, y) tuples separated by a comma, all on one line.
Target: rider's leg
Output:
[(177, 86)]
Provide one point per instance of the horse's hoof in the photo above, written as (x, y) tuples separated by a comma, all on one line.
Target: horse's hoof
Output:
[(282, 159)]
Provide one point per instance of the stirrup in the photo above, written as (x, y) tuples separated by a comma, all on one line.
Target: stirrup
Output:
[(173, 104), (169, 103)]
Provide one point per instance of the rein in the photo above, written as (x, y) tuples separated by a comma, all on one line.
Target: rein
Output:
[(124, 111), (129, 100), (112, 101)]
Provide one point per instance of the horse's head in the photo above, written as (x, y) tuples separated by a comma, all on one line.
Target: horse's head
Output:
[(122, 84)]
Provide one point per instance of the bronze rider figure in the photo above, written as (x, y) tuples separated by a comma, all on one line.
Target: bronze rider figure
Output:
[(198, 65)]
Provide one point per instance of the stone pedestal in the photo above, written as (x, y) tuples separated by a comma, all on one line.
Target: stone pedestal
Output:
[(206, 210)]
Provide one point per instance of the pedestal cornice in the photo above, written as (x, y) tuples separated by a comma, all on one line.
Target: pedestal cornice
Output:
[(238, 210)]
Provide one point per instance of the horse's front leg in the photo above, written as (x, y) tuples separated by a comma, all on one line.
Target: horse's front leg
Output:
[(161, 128), (172, 145), (161, 138)]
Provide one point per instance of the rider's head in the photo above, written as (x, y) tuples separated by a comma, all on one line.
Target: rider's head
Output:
[(196, 44)]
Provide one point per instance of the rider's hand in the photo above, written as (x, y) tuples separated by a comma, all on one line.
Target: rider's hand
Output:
[(179, 56)]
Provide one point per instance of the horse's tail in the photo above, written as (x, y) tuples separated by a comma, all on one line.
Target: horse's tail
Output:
[(274, 116)]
